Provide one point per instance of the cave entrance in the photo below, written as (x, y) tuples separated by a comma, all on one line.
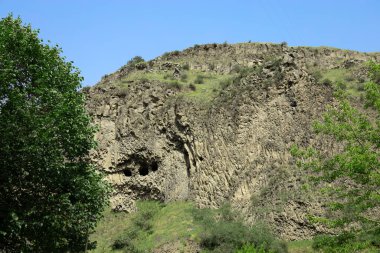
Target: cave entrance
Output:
[(154, 166), (143, 171), (127, 172)]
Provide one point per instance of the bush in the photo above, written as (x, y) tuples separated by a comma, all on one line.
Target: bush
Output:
[(199, 79), (184, 77), (168, 76), (175, 53), (328, 82), (175, 85), (349, 78), (192, 87), (339, 85), (186, 66), (134, 61), (144, 80), (223, 231), (317, 75), (249, 248)]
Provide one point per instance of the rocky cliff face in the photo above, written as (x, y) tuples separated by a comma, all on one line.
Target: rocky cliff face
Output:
[(158, 142)]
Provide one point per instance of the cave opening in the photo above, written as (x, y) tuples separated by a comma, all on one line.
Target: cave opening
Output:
[(187, 161), (143, 171), (154, 166), (127, 172)]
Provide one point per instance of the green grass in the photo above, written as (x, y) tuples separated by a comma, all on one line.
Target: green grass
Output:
[(109, 229), (302, 246), (207, 85), (173, 222), (343, 78)]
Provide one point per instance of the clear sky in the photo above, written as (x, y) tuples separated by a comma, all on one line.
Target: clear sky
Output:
[(102, 35)]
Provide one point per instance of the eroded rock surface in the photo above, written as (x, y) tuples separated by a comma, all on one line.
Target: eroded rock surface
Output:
[(155, 143)]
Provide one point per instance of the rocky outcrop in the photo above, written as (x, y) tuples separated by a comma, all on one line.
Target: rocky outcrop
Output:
[(154, 143)]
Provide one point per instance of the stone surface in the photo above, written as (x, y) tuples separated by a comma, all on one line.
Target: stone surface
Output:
[(155, 144)]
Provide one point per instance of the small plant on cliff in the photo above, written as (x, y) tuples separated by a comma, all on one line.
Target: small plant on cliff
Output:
[(51, 196), (351, 176), (135, 61)]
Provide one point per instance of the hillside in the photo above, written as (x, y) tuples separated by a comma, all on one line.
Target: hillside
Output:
[(214, 123)]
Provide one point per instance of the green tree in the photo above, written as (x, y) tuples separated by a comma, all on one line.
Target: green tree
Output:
[(50, 195), (350, 176)]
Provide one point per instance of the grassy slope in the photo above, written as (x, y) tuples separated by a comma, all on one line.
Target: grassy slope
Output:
[(344, 77), (207, 85), (109, 229), (303, 246), (173, 222)]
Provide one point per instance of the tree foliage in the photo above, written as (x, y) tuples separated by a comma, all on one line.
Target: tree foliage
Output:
[(51, 196), (352, 175)]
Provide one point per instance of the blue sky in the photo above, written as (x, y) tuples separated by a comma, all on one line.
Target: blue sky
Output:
[(100, 36)]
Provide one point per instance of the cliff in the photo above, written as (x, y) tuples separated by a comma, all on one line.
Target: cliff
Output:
[(214, 123)]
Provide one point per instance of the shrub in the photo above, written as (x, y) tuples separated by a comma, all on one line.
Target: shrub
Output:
[(192, 87), (225, 83), (121, 92), (349, 78), (199, 79), (141, 65), (186, 66), (175, 85), (236, 68), (339, 85), (249, 248), (144, 80), (175, 53), (317, 75), (360, 87), (184, 77), (223, 231), (328, 82), (135, 60)]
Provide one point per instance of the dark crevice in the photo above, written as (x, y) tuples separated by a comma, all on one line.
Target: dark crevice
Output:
[(138, 165), (187, 160), (127, 172), (154, 166), (143, 171)]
